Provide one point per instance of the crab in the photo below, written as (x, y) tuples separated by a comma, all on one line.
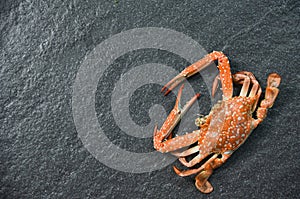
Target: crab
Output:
[(224, 129)]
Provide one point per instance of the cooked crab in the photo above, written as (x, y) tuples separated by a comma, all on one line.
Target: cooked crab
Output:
[(227, 126)]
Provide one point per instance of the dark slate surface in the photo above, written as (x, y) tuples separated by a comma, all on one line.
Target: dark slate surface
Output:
[(42, 47)]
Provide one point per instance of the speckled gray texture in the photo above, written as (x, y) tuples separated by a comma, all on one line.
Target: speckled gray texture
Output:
[(42, 46)]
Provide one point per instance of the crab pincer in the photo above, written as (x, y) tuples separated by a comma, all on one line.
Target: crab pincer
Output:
[(191, 70), (172, 120)]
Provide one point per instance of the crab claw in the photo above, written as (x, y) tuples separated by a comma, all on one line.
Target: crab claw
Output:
[(215, 85), (174, 82), (172, 120), (187, 72)]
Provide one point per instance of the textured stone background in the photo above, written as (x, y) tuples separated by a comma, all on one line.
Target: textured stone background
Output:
[(42, 46)]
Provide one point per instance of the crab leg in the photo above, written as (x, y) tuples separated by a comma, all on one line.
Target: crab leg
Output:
[(254, 90), (205, 170), (170, 123), (202, 183), (177, 142), (215, 85), (187, 152), (240, 78), (194, 161), (216, 162), (245, 87), (193, 171), (270, 96), (187, 72), (223, 65)]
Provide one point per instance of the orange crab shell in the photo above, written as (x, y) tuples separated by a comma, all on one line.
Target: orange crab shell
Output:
[(236, 127)]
